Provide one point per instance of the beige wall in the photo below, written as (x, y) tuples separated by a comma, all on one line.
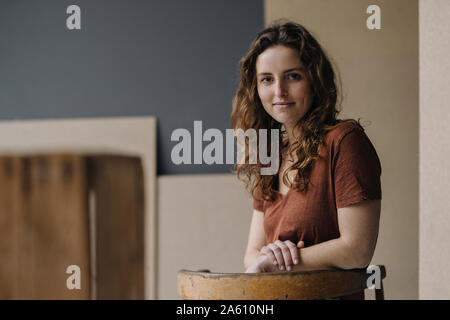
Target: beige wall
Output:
[(379, 71), (434, 276), (203, 223)]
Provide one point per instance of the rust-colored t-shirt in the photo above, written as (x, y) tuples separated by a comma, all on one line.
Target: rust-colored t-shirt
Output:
[(347, 171)]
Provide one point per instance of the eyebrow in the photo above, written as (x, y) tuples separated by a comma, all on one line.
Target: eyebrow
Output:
[(286, 71)]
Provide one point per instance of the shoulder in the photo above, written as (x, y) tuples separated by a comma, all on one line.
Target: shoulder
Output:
[(348, 143), (348, 139), (343, 129)]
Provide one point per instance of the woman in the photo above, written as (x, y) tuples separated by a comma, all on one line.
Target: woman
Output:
[(322, 209)]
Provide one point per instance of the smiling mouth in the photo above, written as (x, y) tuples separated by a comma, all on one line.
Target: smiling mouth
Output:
[(283, 104)]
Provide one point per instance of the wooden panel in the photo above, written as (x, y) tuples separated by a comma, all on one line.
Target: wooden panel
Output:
[(118, 186), (11, 173), (44, 216), (57, 223), (44, 226)]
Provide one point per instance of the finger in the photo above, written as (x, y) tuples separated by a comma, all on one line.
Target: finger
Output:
[(300, 244), (287, 260), (266, 265), (286, 251), (293, 252), (287, 257), (278, 255), (269, 253)]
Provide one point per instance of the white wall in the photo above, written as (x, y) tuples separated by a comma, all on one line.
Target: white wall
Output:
[(434, 253)]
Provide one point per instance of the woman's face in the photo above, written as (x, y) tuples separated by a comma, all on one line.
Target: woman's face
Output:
[(283, 88)]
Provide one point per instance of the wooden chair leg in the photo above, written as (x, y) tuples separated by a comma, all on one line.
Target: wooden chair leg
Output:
[(379, 293)]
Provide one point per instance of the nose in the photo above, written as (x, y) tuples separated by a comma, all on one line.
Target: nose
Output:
[(280, 89)]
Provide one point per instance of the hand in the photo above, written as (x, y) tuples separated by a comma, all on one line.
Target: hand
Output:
[(261, 264), (283, 253)]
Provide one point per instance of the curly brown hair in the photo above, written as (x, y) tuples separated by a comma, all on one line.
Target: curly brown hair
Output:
[(248, 111)]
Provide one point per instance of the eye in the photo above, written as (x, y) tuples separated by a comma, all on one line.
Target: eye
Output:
[(265, 79), (294, 76)]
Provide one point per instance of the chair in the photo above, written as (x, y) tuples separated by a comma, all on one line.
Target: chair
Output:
[(296, 285)]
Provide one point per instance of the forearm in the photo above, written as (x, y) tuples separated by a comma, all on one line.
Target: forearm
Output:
[(334, 253), (250, 257)]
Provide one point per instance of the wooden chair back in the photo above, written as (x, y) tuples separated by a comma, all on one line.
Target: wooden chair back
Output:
[(297, 285)]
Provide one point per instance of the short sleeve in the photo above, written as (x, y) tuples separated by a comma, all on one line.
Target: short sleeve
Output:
[(258, 205), (357, 170), (258, 201)]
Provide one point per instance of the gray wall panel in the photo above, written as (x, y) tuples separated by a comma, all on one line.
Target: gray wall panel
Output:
[(176, 60)]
